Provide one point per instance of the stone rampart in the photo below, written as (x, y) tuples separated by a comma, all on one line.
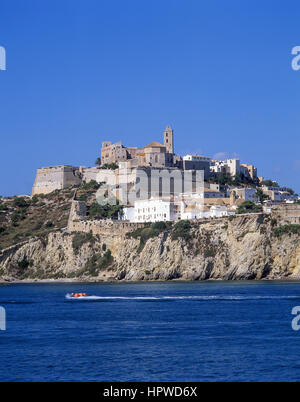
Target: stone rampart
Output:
[(287, 214), (104, 227), (53, 178)]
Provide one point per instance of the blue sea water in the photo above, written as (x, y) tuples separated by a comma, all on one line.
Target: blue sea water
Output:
[(165, 331)]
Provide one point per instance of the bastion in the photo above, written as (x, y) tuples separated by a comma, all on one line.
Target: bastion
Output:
[(53, 178)]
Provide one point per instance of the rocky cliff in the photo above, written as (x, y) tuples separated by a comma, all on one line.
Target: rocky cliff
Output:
[(244, 247)]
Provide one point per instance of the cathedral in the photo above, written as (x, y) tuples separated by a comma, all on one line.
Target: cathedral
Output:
[(152, 155)]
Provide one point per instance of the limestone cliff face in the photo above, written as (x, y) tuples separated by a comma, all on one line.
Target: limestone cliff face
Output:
[(244, 248)]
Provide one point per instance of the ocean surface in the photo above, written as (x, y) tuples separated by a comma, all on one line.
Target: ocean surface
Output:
[(165, 331)]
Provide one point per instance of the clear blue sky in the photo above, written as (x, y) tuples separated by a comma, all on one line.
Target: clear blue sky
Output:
[(83, 71)]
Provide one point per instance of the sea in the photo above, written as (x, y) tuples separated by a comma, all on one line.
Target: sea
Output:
[(151, 331)]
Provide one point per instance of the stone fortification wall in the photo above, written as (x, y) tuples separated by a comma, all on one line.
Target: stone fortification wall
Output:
[(103, 227), (287, 214), (53, 178), (79, 223)]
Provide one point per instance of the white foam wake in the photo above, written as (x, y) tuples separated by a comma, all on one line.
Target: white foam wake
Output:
[(195, 297)]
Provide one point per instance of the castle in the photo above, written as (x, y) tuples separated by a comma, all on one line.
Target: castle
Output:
[(119, 166), (153, 154)]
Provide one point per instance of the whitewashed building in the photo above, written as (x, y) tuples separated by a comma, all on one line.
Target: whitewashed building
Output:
[(196, 158), (154, 210), (186, 206), (218, 211)]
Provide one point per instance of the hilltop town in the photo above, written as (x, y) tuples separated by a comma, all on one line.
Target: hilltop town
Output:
[(234, 225), (228, 186)]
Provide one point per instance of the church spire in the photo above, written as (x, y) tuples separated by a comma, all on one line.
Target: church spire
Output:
[(168, 140)]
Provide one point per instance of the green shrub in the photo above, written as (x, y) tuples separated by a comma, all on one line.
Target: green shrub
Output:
[(98, 262), (91, 185), (209, 253), (24, 263), (286, 229), (112, 166), (80, 239), (159, 226), (3, 207), (20, 202), (182, 229), (136, 233), (106, 211), (148, 232), (17, 216), (82, 197), (34, 199), (38, 226), (49, 224), (273, 222), (248, 207), (269, 183)]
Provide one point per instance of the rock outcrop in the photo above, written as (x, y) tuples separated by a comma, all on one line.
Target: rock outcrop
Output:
[(241, 248)]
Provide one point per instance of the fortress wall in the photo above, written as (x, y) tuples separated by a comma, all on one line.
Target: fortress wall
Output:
[(78, 222), (53, 178), (71, 176), (287, 214), (108, 176), (103, 227), (77, 212), (90, 174)]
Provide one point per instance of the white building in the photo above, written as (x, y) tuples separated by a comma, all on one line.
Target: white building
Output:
[(185, 206), (231, 167), (154, 210), (128, 214), (218, 211), (218, 167), (195, 158)]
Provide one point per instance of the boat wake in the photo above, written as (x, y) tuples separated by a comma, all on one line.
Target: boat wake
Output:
[(191, 298)]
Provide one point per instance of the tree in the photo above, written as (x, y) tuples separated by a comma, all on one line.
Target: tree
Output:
[(290, 191), (224, 179), (269, 183), (20, 202), (112, 166), (98, 161), (261, 196), (248, 207)]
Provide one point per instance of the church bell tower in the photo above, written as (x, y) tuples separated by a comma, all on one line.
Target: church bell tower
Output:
[(168, 140)]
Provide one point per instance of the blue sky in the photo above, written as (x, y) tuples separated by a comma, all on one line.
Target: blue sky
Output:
[(80, 72)]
